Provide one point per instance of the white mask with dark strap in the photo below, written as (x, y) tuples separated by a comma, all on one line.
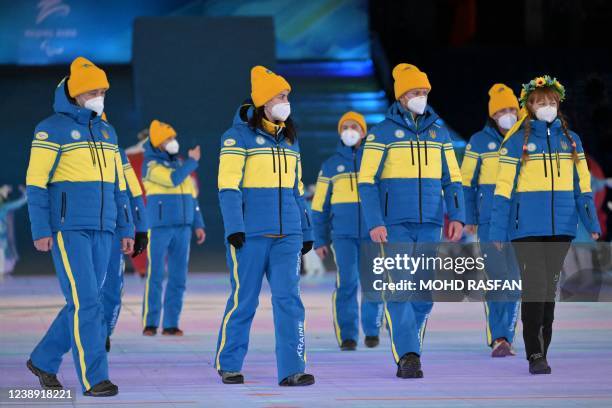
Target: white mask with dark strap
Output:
[(172, 147), (506, 121), (95, 104), (547, 113)]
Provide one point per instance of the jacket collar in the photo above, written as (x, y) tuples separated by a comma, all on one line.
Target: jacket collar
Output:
[(401, 116), (63, 104)]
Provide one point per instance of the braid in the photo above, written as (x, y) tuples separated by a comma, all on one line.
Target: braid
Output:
[(568, 136), (526, 132)]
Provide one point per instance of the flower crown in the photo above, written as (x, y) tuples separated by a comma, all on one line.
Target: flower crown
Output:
[(541, 82)]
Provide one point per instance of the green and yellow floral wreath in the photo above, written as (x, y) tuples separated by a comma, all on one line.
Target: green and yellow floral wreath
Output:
[(541, 82)]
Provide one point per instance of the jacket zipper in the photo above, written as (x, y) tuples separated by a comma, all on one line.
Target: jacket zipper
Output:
[(63, 210), (159, 207), (480, 205), (456, 201), (545, 164), (386, 202), (420, 188), (101, 176), (357, 188), (280, 193), (137, 213), (516, 220), (125, 211), (588, 211), (552, 182), (307, 218), (183, 204)]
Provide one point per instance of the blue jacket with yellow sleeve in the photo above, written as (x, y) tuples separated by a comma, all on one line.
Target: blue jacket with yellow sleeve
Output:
[(336, 210), (260, 181), (478, 173), (409, 171), (544, 194), (172, 196), (135, 195), (75, 177)]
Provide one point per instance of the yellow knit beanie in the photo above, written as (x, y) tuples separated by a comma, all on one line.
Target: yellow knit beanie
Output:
[(85, 77), (408, 77), (159, 132), (265, 85), (501, 97)]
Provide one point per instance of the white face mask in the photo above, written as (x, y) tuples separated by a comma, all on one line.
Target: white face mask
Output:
[(546, 113), (506, 121), (172, 147), (417, 104), (281, 111), (350, 137), (95, 104)]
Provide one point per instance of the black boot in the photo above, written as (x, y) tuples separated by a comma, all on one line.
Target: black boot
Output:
[(102, 389), (47, 380), (348, 345), (149, 331), (107, 345), (231, 377), (172, 331), (371, 341), (409, 366), (538, 364), (298, 380)]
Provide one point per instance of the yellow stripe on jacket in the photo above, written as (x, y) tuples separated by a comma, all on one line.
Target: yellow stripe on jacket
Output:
[(42, 159), (132, 180), (318, 200), (158, 180), (231, 165)]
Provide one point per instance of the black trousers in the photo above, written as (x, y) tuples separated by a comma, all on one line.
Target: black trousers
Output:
[(540, 261)]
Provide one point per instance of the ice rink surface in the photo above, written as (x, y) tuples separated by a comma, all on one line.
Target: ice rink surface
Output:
[(178, 372)]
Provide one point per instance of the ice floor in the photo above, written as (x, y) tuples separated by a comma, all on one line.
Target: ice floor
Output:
[(178, 372)]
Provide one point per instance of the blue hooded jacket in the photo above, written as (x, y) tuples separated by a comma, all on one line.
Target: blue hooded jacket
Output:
[(544, 194), (336, 210), (479, 172), (75, 177), (409, 171), (172, 196), (260, 181)]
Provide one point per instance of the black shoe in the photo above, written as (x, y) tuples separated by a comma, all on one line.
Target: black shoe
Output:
[(172, 331), (538, 364), (102, 389), (298, 380), (231, 377), (409, 366), (107, 345), (149, 331), (47, 380), (348, 345), (371, 341)]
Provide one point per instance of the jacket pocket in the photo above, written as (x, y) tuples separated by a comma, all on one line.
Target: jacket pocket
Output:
[(588, 211), (307, 218), (456, 201), (137, 214), (125, 212), (386, 203), (159, 210), (63, 209)]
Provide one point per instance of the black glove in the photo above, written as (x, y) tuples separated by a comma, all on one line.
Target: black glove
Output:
[(307, 246), (141, 240), (237, 239)]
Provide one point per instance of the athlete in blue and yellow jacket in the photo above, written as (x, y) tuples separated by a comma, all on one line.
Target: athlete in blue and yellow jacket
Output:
[(77, 201), (479, 174), (543, 186), (112, 290), (408, 177), (172, 212), (267, 227), (338, 220)]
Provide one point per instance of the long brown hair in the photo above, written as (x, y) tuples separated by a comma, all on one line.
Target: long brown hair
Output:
[(256, 122), (537, 94)]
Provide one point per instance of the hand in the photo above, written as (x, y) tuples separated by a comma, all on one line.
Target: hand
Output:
[(595, 236), (499, 245), (140, 243), (322, 251), (236, 239), (194, 153), (470, 229), (455, 230), (201, 235), (307, 246), (379, 234), (127, 245), (44, 244)]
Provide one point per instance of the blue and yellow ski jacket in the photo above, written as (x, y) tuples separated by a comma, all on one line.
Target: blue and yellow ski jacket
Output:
[(545, 194), (409, 171), (260, 181), (336, 209), (479, 172), (75, 177), (135, 195), (172, 196)]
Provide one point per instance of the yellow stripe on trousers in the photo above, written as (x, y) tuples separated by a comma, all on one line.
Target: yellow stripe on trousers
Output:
[(334, 298), (75, 300), (227, 316), (387, 314), (146, 295)]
